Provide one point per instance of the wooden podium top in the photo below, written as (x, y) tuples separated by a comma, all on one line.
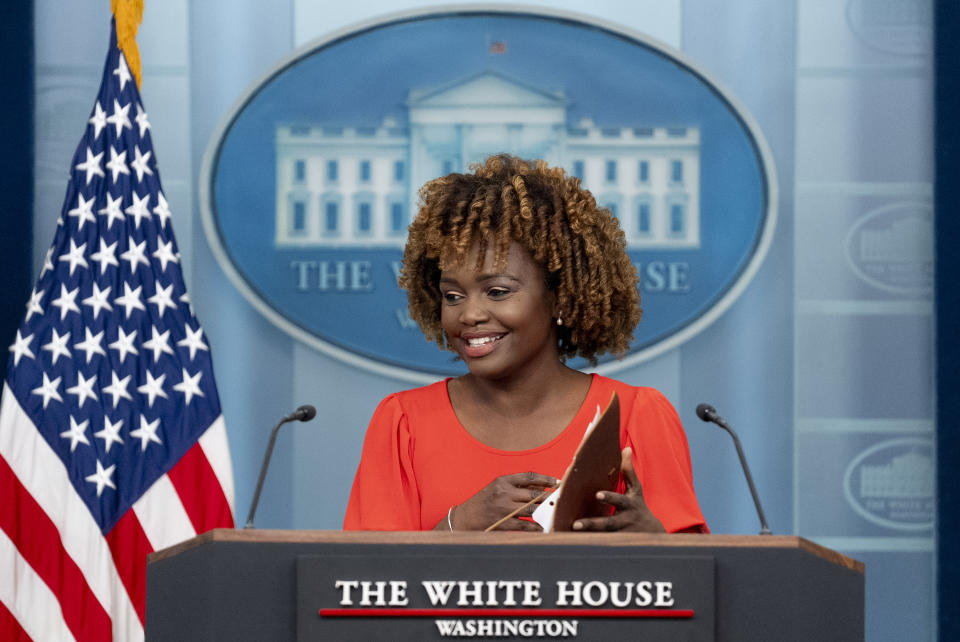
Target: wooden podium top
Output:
[(679, 540)]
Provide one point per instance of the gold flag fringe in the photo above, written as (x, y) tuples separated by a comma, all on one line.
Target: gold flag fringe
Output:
[(128, 15)]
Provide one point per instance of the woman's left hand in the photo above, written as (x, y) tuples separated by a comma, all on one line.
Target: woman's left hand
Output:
[(632, 513)]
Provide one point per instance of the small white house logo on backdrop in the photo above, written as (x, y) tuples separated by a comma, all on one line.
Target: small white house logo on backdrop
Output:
[(891, 248), (891, 484), (901, 27)]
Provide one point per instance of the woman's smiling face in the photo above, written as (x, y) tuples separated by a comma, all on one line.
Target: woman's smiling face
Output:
[(500, 321)]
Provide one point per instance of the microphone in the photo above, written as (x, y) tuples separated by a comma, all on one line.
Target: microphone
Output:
[(708, 413), (305, 412)]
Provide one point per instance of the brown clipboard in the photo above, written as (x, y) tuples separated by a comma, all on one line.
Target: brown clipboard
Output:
[(595, 467)]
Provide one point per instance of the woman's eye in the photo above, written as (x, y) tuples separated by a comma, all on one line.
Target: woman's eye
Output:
[(498, 292), (451, 297)]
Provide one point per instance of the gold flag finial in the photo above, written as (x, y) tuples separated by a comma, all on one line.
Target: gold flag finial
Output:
[(128, 15)]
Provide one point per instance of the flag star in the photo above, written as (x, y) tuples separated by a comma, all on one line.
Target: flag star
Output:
[(75, 256), (140, 209), (47, 262), (124, 343), (106, 255), (162, 210), (66, 301), (83, 211), (110, 433), (130, 299), (163, 298), (190, 386), (159, 343), (194, 341), (98, 300), (33, 305), (147, 432), (153, 388), (92, 165), (185, 298), (119, 118), (98, 120), (91, 344), (118, 388), (48, 390), (118, 163), (58, 346), (102, 477), (141, 120), (141, 162), (83, 389), (112, 210), (165, 254), (76, 433), (21, 347), (122, 72), (135, 254)]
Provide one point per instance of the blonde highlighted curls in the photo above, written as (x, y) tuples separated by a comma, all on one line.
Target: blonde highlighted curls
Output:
[(581, 248)]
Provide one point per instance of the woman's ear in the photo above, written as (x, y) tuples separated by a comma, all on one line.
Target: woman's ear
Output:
[(555, 312)]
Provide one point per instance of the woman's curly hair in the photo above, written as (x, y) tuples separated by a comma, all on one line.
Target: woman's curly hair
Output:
[(580, 246)]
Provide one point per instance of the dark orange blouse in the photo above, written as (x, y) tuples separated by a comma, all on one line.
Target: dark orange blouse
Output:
[(418, 460)]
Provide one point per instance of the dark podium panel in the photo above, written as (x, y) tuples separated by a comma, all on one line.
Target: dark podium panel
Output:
[(332, 585)]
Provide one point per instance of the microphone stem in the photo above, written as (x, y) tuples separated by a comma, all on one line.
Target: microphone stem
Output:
[(764, 529), (263, 472)]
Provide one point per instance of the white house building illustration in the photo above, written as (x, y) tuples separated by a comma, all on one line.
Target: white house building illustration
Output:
[(357, 186), (907, 475)]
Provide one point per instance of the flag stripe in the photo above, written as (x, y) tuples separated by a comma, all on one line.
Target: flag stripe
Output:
[(28, 599), (43, 476), (130, 547), (10, 629), (217, 451), (38, 541), (196, 484), (161, 515)]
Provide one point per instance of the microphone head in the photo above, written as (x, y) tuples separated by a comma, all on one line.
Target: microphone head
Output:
[(706, 412), (305, 412)]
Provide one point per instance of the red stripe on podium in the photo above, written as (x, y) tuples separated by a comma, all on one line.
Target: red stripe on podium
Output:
[(582, 613)]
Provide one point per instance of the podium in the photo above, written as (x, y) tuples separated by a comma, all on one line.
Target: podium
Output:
[(331, 585)]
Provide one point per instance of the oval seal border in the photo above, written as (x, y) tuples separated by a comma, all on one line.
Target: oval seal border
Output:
[(681, 334)]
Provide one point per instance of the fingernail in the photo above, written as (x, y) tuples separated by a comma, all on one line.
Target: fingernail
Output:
[(578, 526), (600, 495)]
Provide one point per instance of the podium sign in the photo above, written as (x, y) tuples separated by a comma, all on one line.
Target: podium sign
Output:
[(331, 585), (511, 592)]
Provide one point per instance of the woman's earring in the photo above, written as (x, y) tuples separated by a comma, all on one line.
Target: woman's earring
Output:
[(559, 321)]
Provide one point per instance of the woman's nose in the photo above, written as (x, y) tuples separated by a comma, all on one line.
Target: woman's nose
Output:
[(473, 311)]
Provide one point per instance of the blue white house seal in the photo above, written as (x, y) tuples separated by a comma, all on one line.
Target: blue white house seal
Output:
[(311, 181)]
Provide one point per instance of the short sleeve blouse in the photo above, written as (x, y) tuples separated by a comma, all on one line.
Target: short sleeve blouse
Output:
[(418, 460)]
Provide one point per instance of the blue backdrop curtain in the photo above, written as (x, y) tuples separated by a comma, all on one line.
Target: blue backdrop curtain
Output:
[(16, 163), (947, 266)]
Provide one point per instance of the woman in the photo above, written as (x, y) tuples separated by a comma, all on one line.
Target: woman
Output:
[(515, 269)]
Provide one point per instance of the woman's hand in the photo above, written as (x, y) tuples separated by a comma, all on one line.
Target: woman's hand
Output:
[(632, 513), (501, 497)]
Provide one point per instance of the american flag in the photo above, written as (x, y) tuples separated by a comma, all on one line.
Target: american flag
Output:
[(112, 443)]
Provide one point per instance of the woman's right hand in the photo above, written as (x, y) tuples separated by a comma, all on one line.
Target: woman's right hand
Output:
[(499, 498)]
